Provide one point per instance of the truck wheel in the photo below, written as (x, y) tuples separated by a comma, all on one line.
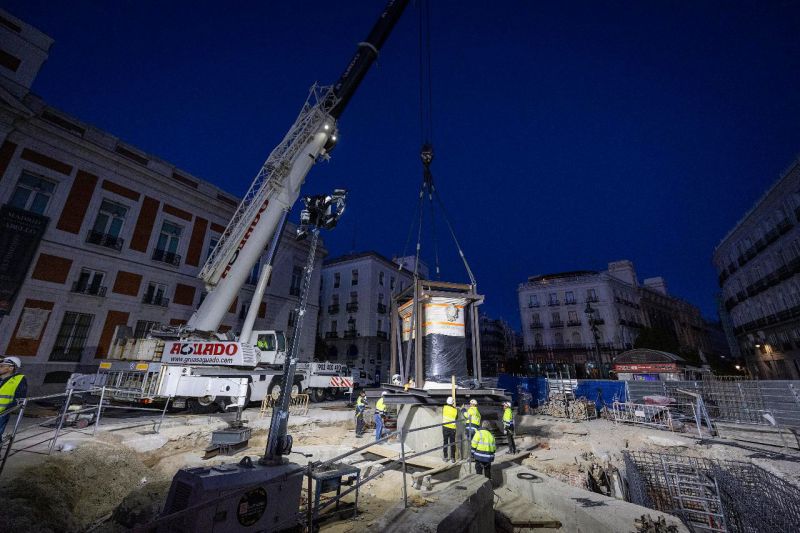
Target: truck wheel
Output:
[(275, 389), (200, 406), (317, 395)]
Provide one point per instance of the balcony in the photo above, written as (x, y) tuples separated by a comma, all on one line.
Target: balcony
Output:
[(89, 289), (350, 334), (331, 335), (598, 321), (382, 309), (352, 307), (573, 323), (536, 325), (556, 324), (167, 257), (553, 303), (382, 334), (569, 302), (105, 240), (333, 309), (592, 299), (533, 304), (154, 299)]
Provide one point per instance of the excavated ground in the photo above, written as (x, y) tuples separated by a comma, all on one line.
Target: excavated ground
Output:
[(102, 484)]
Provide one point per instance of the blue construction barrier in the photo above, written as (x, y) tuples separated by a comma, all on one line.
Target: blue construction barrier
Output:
[(601, 391), (532, 391)]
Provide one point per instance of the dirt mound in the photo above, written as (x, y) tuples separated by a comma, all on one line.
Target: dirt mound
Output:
[(70, 492)]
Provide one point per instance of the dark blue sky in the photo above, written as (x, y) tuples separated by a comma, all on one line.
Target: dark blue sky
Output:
[(567, 134)]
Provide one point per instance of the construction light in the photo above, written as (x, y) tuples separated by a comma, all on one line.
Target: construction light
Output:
[(326, 127)]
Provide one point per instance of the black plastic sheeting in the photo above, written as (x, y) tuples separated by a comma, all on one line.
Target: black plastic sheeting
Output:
[(445, 356)]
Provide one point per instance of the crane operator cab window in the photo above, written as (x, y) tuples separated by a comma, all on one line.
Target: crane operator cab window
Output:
[(271, 341)]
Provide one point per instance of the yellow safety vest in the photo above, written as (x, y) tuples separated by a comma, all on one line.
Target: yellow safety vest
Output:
[(8, 390), (360, 406), (473, 417), (483, 446), (380, 407), (508, 417), (449, 416)]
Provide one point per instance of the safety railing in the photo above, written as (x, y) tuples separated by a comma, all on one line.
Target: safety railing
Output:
[(298, 405), (42, 436)]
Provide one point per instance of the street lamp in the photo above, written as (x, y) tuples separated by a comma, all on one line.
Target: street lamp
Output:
[(593, 325)]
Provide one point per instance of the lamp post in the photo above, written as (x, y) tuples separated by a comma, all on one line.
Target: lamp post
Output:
[(593, 325)]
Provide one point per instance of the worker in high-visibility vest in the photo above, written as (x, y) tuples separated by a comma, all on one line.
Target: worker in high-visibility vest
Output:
[(380, 416), (13, 387), (472, 423), (449, 417), (483, 448), (508, 427), (361, 406)]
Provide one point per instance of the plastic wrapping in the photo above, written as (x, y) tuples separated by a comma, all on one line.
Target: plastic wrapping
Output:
[(445, 356)]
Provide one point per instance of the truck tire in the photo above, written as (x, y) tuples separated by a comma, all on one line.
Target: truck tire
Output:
[(317, 395), (197, 406), (275, 389)]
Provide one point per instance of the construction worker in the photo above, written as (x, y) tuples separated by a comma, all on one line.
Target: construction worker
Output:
[(449, 417), (508, 427), (472, 418), (409, 385), (361, 406), (13, 388), (483, 448), (380, 416)]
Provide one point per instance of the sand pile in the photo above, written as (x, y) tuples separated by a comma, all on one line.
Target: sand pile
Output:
[(71, 492)]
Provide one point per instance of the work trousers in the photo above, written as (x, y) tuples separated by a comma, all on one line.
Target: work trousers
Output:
[(469, 432), (449, 438), (512, 446), (359, 424), (378, 427), (482, 467)]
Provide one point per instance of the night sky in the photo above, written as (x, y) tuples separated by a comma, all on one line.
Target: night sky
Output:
[(567, 134)]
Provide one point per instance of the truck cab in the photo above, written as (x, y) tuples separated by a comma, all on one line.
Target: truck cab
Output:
[(271, 346)]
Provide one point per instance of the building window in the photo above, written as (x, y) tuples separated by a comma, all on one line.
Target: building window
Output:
[(32, 193), (391, 283), (71, 337), (334, 325), (154, 295), (569, 297), (354, 297), (537, 339), (334, 299), (535, 318), (559, 338), (167, 246), (553, 299), (90, 282), (354, 277), (380, 278), (297, 280), (108, 225), (292, 318), (591, 296), (212, 243), (533, 300), (572, 317), (556, 317), (243, 310), (336, 280), (143, 328)]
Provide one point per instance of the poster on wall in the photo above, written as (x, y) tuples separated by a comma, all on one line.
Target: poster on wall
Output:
[(20, 233)]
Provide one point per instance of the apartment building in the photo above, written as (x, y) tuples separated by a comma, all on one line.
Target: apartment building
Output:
[(95, 234)]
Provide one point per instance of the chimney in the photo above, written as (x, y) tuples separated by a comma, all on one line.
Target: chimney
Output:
[(623, 271)]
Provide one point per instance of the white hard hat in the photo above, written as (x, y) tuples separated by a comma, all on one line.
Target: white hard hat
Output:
[(507, 404), (383, 393), (12, 361), (449, 400), (473, 402)]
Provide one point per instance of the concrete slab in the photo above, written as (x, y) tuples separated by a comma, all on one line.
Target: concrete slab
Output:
[(461, 506)]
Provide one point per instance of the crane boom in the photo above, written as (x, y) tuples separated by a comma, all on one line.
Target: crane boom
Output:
[(277, 185)]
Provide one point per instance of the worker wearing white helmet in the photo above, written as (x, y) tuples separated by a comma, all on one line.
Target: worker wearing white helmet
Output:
[(449, 417), (13, 388), (508, 427), (380, 416)]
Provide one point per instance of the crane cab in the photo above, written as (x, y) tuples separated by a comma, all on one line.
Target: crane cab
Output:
[(271, 346)]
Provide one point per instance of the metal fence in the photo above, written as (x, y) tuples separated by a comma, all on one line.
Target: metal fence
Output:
[(733, 400), (77, 411), (713, 495)]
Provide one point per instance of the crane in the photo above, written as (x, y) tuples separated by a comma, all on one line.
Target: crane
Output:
[(196, 364)]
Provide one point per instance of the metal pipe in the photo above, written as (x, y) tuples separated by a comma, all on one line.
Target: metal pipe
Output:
[(60, 422), (164, 413), (13, 434), (403, 458), (99, 411), (309, 513)]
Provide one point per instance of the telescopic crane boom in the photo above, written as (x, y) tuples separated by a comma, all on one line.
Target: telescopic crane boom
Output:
[(277, 185)]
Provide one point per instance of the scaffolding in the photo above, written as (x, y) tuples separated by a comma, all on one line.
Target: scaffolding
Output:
[(712, 495)]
